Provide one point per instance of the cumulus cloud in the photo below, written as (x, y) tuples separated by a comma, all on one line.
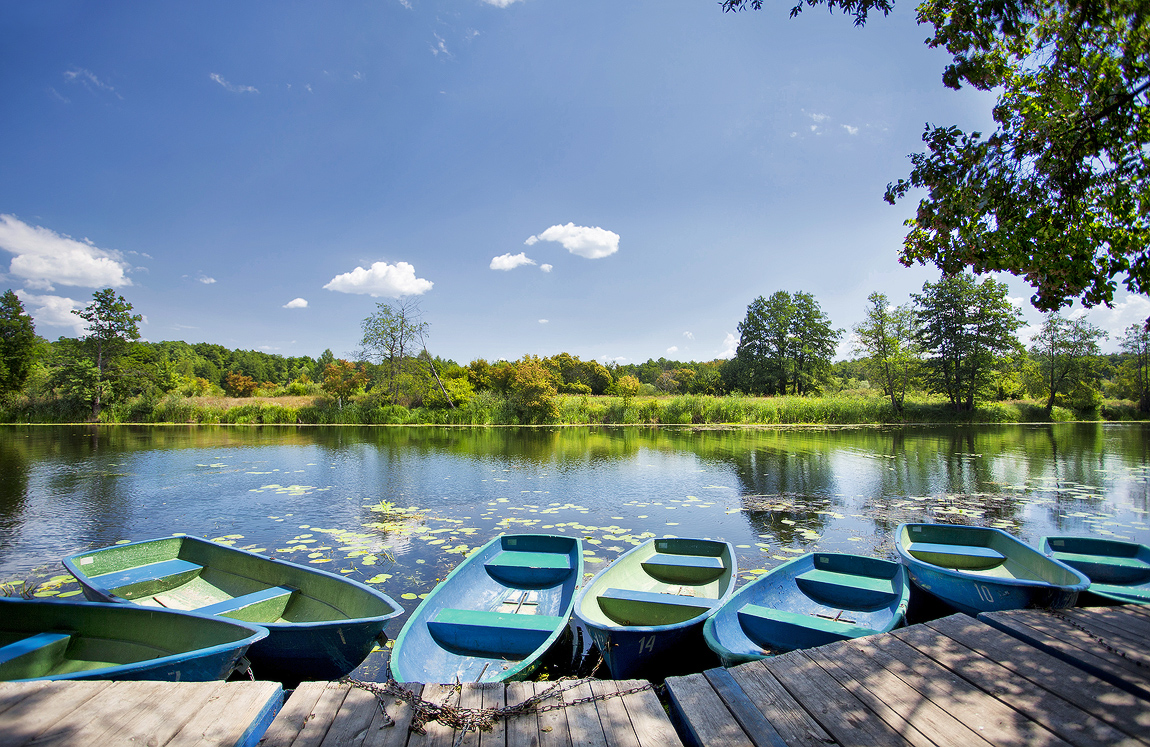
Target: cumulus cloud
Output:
[(673, 349), (819, 118), (232, 86), (206, 280), (510, 261), (296, 303), (545, 268), (730, 344), (53, 311), (592, 243), (850, 130), (544, 321), (500, 3), (381, 279), (44, 258), (689, 335)]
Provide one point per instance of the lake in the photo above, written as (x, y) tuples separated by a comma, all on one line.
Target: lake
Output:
[(399, 507)]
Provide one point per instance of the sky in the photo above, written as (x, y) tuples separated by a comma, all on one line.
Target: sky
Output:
[(614, 179)]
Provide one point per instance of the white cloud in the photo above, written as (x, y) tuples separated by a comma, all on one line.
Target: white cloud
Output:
[(730, 343), (673, 349), (44, 258), (381, 279), (89, 81), (592, 243), (296, 303), (544, 321), (819, 118), (440, 47), (689, 335), (206, 280), (851, 130), (232, 86), (405, 4), (52, 311), (500, 3), (510, 261), (545, 268)]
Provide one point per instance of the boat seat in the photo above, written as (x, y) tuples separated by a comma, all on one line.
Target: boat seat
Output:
[(787, 631), (966, 557), (265, 605), (1107, 568), (631, 607), (32, 655), (683, 569), (149, 579), (493, 634), (529, 568), (847, 590)]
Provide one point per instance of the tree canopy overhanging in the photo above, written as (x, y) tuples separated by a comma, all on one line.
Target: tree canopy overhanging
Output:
[(1059, 193)]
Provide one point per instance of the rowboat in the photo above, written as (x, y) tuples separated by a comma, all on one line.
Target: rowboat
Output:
[(495, 615), (58, 640), (645, 611), (320, 625), (1119, 571), (809, 601), (978, 569)]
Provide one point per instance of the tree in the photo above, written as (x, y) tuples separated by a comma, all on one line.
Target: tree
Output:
[(391, 338), (1136, 343), (886, 335), (964, 327), (343, 379), (533, 390), (111, 328), (19, 344), (812, 344), (1059, 193), (784, 341), (1064, 349)]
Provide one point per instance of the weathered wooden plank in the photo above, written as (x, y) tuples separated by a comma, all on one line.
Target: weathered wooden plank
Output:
[(703, 713), (752, 721), (1120, 709), (436, 734), (322, 716), (12, 693), (234, 713), (1123, 631), (789, 719), (652, 727), (617, 729), (996, 721), (470, 697), (553, 729), (1060, 639), (1060, 716), (843, 716), (522, 731), (115, 715), (583, 719), (292, 718), (896, 702), (37, 713), (353, 719), (389, 727)]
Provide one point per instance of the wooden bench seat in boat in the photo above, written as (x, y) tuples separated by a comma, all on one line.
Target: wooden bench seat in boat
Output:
[(631, 607), (847, 590), (494, 634), (965, 557), (1108, 569), (529, 568), (265, 605), (25, 655), (785, 630), (148, 579), (683, 569)]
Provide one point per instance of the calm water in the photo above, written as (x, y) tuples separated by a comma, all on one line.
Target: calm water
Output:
[(399, 507)]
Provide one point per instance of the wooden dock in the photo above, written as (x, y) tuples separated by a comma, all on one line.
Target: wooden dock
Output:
[(1077, 677), (156, 714), (320, 714)]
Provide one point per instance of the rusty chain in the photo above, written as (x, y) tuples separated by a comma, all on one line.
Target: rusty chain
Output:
[(1097, 638)]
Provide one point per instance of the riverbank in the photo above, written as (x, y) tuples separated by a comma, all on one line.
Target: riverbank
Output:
[(489, 408)]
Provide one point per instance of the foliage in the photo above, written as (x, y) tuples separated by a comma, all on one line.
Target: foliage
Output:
[(111, 326), (964, 328), (785, 342), (391, 337), (343, 379), (1065, 350), (458, 389), (532, 392), (886, 335), (1136, 344), (239, 385), (19, 345)]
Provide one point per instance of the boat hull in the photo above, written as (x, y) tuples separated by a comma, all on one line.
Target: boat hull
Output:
[(1119, 571), (645, 612), (495, 615), (58, 640), (810, 601), (320, 625), (978, 569)]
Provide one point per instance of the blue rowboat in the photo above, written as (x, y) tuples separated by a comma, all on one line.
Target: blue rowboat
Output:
[(978, 569), (495, 615), (815, 599), (320, 625), (646, 610), (58, 640), (1118, 571)]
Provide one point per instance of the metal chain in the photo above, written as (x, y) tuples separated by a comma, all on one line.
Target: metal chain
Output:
[(1097, 638)]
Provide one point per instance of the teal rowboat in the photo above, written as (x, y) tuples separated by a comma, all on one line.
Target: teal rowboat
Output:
[(812, 600), (977, 569), (320, 625), (495, 615), (646, 610), (1118, 571), (58, 640)]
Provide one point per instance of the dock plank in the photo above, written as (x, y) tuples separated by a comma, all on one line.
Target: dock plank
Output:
[(707, 719), (617, 729), (789, 719), (12, 693), (522, 731), (295, 714), (583, 719), (351, 722), (322, 715), (553, 729), (494, 696), (249, 707), (436, 734), (470, 697), (32, 716), (652, 727), (389, 726), (1061, 716), (752, 721)]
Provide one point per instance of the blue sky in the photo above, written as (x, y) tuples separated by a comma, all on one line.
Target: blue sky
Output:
[(614, 179)]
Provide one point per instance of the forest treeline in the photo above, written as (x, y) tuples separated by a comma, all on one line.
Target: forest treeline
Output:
[(950, 354)]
